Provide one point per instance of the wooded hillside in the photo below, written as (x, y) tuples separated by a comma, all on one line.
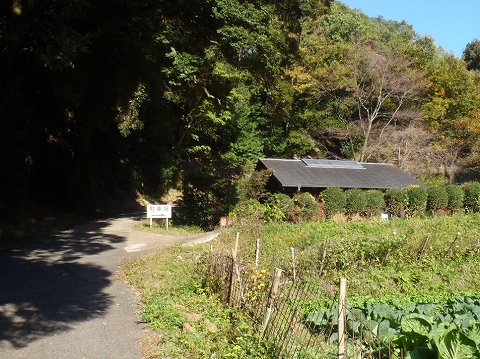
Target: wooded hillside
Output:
[(104, 100)]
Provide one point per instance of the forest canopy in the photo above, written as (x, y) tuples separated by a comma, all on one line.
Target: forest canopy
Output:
[(104, 101)]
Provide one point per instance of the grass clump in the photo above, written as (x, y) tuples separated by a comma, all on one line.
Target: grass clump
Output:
[(418, 257), (185, 320), (159, 226)]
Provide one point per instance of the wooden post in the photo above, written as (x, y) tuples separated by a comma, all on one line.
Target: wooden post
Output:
[(450, 249), (341, 317), (239, 276), (236, 244), (257, 253), (420, 256), (271, 298), (230, 288), (293, 265), (323, 258), (233, 268)]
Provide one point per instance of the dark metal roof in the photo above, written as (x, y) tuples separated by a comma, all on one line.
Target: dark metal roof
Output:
[(343, 174)]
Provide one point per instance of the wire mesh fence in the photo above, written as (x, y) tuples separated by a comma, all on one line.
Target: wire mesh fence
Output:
[(286, 313)]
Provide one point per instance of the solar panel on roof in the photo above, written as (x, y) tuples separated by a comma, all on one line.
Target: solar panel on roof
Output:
[(318, 163)]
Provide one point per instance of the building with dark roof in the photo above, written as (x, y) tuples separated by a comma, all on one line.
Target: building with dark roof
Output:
[(314, 175)]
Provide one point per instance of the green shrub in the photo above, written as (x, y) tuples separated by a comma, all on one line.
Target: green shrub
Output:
[(395, 201), (375, 201), (255, 186), (455, 197), (251, 209), (307, 209), (472, 197), (335, 200), (416, 200), (356, 201), (279, 207), (437, 198)]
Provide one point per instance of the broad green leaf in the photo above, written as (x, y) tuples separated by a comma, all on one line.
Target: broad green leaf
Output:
[(454, 344), (416, 323)]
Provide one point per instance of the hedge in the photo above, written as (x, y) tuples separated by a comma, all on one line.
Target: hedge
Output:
[(335, 200)]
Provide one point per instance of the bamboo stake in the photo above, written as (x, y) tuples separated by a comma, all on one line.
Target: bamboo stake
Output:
[(293, 265), (236, 245), (239, 277), (230, 288), (341, 317), (420, 256), (449, 250), (233, 269), (257, 253), (323, 258), (271, 298)]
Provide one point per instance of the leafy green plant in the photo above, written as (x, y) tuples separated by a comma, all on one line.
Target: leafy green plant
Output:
[(254, 186), (416, 200), (334, 199), (437, 199), (356, 201), (455, 197), (307, 208), (472, 197), (447, 330), (395, 201), (279, 207), (250, 209), (375, 201)]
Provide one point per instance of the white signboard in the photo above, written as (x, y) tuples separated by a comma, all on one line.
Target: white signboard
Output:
[(159, 211)]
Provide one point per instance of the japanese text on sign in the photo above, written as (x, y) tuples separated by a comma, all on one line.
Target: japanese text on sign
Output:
[(159, 211)]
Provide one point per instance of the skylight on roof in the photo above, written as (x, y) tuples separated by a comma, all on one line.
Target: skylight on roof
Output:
[(317, 163)]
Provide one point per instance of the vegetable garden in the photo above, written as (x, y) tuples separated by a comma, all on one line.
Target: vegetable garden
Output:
[(412, 285), (413, 288)]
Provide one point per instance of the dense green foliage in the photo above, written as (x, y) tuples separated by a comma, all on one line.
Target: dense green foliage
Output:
[(375, 202), (437, 198), (416, 200), (356, 204), (445, 330), (356, 201), (395, 201), (185, 321), (104, 101), (335, 200), (455, 197), (472, 197)]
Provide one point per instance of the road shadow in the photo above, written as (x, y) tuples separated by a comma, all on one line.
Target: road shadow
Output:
[(49, 283)]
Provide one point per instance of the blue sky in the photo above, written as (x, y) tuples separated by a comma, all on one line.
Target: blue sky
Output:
[(453, 24)]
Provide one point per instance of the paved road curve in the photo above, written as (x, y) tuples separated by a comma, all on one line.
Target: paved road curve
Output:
[(59, 297)]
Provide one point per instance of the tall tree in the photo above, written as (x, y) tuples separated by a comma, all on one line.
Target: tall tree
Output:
[(451, 112), (138, 95), (471, 55), (357, 78), (384, 85)]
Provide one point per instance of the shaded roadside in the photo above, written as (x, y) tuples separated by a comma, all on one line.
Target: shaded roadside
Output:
[(59, 296)]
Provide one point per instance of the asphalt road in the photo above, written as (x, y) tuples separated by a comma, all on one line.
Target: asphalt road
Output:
[(59, 296)]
